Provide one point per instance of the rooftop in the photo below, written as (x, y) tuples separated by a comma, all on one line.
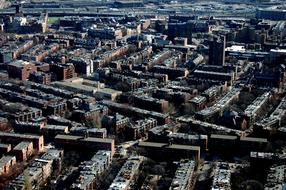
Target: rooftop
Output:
[(22, 145)]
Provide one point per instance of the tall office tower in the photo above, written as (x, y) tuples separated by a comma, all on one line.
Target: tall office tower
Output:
[(217, 50)]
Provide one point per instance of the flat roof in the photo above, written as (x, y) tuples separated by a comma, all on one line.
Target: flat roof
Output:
[(151, 144), (230, 137), (5, 159), (165, 145), (68, 137), (185, 147), (253, 139), (103, 140), (4, 145), (75, 86), (19, 63), (81, 138), (59, 127), (22, 145), (278, 50), (20, 135), (108, 91)]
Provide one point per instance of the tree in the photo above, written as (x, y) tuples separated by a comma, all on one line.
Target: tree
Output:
[(159, 170), (123, 86), (251, 185), (171, 108), (186, 109), (93, 122), (27, 183)]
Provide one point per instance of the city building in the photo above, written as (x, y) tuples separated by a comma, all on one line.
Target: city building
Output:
[(127, 173), (23, 150), (91, 171), (6, 164), (217, 50), (20, 69), (184, 175)]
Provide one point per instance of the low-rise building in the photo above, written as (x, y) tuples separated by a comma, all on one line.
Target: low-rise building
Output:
[(23, 150), (5, 148), (184, 175), (222, 142), (127, 174), (6, 164), (39, 170), (82, 143), (198, 102), (90, 132), (276, 178), (91, 171), (172, 151), (137, 112), (222, 176), (140, 128), (253, 144), (15, 138), (20, 69), (254, 110)]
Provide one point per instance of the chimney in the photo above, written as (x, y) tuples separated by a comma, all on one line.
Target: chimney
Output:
[(17, 6)]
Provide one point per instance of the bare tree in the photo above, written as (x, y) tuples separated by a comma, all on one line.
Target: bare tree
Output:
[(27, 183)]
